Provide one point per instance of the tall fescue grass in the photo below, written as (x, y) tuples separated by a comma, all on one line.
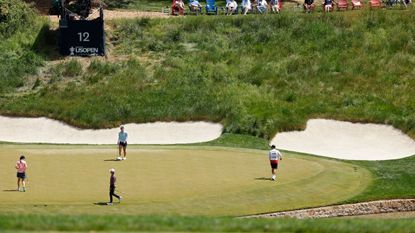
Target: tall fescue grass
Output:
[(17, 24), (257, 74), (15, 15)]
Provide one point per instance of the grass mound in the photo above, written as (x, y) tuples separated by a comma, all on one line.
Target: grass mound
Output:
[(257, 74), (17, 23)]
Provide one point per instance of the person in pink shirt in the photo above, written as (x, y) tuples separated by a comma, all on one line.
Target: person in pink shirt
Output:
[(21, 167)]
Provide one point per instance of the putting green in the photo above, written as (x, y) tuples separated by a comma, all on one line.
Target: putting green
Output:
[(172, 180)]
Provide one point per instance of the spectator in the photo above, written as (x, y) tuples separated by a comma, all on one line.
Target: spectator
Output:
[(308, 6)]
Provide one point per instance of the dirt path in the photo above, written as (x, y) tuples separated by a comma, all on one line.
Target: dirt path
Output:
[(133, 14), (357, 209), (110, 15)]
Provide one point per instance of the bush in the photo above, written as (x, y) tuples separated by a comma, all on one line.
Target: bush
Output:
[(15, 15), (18, 22)]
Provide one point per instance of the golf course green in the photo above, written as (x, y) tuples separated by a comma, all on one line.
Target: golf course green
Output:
[(210, 181), (257, 75)]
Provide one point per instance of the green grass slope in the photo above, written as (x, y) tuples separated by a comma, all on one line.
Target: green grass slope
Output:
[(392, 179), (17, 59), (257, 74)]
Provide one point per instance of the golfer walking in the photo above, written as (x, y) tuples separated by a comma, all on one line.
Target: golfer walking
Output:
[(113, 180), (122, 142), (274, 157), (21, 167)]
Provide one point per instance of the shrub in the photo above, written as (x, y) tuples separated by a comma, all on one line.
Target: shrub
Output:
[(15, 15)]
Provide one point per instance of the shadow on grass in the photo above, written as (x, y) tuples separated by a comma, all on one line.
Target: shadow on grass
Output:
[(10, 190), (100, 203), (40, 205), (263, 178), (46, 43), (112, 160), (105, 203)]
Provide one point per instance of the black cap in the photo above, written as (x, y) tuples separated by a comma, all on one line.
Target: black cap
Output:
[(273, 147), (22, 157)]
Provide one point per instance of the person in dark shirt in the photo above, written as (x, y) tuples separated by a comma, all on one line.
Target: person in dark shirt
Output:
[(113, 180), (309, 6), (328, 5)]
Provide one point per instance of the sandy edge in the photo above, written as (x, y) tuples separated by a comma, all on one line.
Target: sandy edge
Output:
[(346, 140), (45, 130), (357, 209)]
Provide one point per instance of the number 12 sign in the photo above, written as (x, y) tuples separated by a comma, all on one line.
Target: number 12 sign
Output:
[(82, 38)]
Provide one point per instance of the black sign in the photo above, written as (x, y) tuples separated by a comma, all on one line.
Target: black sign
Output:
[(82, 37)]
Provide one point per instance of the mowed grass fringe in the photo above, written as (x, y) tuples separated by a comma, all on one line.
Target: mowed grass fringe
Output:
[(197, 224)]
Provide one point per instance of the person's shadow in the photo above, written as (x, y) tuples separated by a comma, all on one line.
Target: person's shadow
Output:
[(10, 190), (105, 203), (263, 178), (100, 203), (112, 160)]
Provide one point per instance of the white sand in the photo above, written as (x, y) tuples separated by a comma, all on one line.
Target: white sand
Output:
[(44, 130), (345, 140)]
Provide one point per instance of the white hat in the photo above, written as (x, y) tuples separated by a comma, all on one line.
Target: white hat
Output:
[(112, 170)]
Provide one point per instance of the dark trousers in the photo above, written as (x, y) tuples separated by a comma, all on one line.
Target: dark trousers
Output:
[(112, 193)]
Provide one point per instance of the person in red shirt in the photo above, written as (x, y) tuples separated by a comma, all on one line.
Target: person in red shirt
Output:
[(113, 180), (21, 167)]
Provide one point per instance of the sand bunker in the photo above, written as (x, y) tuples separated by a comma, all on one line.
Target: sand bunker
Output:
[(44, 130), (345, 140)]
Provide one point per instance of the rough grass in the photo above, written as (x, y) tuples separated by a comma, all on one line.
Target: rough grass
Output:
[(15, 16), (85, 223), (256, 74), (17, 59), (392, 179)]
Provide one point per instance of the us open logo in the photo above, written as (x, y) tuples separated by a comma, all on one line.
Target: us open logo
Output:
[(79, 50)]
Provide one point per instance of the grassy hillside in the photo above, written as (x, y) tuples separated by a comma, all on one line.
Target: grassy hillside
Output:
[(256, 74), (17, 24)]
